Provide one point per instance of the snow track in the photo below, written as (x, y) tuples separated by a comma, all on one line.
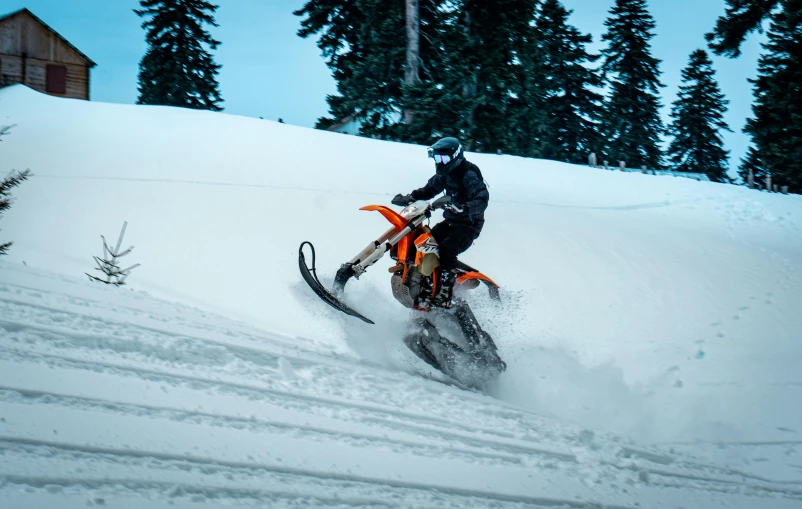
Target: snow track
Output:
[(109, 397)]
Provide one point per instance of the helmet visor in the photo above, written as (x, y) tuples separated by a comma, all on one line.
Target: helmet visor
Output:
[(441, 158)]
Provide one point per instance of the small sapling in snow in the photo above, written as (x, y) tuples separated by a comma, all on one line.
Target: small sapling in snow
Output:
[(108, 264)]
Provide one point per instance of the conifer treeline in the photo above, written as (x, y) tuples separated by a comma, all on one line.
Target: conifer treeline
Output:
[(515, 76), (776, 124), (507, 75)]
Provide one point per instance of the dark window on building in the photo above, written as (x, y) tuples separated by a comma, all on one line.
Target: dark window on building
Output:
[(57, 79)]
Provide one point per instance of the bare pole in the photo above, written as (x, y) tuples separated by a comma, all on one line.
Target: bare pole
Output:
[(411, 71)]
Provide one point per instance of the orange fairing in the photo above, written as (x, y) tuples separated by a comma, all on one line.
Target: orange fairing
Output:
[(398, 222), (475, 275), (394, 217), (425, 244)]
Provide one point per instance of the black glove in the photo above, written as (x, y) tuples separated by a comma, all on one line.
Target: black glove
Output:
[(402, 200)]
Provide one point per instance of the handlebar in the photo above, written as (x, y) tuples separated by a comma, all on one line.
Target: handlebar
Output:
[(444, 202)]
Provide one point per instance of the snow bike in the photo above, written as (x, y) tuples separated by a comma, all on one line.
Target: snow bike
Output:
[(471, 357)]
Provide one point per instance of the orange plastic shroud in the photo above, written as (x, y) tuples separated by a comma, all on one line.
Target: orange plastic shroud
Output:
[(399, 222)]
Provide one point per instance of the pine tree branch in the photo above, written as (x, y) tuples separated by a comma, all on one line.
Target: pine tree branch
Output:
[(740, 19), (129, 269), (105, 263), (119, 255), (5, 130), (13, 180)]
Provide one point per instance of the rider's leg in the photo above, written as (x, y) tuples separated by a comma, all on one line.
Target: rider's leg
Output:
[(452, 239)]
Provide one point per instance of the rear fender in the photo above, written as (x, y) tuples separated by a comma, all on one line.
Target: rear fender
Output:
[(470, 280)]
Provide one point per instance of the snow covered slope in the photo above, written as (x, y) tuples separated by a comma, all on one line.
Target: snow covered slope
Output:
[(112, 397), (657, 308)]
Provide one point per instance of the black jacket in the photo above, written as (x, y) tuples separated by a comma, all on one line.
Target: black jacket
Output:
[(467, 189)]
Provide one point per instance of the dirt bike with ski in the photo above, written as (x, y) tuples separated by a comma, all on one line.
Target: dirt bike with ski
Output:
[(468, 354)]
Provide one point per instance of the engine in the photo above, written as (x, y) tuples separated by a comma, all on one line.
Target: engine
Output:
[(408, 293)]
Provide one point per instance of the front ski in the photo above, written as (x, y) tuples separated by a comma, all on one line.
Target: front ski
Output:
[(310, 276)]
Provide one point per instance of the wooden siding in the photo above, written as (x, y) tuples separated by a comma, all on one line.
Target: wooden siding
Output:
[(23, 34), (35, 70), (27, 47)]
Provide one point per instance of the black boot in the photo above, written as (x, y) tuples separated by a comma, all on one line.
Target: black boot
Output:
[(445, 289)]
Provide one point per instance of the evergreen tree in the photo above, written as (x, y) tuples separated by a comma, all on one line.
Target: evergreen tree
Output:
[(474, 75), (362, 41), (177, 70), (491, 32), (632, 124), (528, 115), (741, 18), (571, 106), (444, 98), (6, 185), (468, 71), (776, 128), (332, 18), (464, 74), (698, 117)]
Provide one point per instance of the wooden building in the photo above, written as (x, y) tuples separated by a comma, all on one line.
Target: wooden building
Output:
[(348, 125), (35, 55)]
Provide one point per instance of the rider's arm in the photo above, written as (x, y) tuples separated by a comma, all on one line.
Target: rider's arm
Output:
[(477, 194), (432, 188)]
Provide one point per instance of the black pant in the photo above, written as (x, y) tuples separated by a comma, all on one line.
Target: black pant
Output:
[(453, 239)]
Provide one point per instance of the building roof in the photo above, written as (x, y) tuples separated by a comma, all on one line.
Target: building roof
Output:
[(37, 18), (341, 123)]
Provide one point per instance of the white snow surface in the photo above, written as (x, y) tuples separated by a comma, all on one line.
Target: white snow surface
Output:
[(652, 326)]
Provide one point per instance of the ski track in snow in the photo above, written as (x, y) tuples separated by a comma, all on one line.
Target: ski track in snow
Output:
[(113, 404)]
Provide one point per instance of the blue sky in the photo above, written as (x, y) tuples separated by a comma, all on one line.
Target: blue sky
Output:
[(268, 71)]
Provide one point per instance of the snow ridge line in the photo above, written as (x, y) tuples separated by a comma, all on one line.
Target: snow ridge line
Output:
[(200, 461), (471, 441), (308, 358), (259, 357), (628, 452), (712, 482), (255, 355), (292, 352), (764, 483), (293, 346), (197, 333), (27, 396), (333, 401), (728, 443), (376, 414), (193, 492)]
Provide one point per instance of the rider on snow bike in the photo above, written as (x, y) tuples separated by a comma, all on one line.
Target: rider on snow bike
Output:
[(463, 183), (427, 270)]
